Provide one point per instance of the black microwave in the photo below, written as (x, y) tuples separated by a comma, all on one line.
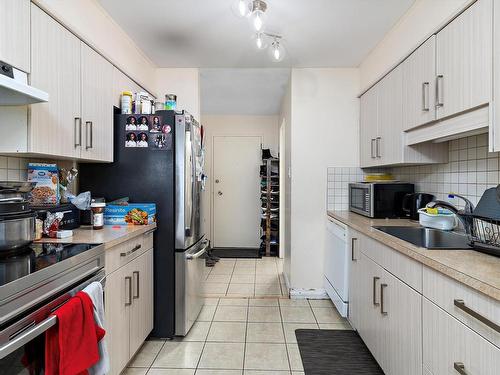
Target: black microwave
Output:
[(379, 200)]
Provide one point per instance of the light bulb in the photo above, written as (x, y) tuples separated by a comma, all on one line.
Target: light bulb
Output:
[(277, 51), (260, 41), (258, 20), (241, 8)]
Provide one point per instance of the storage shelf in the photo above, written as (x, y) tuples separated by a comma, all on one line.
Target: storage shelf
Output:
[(270, 207)]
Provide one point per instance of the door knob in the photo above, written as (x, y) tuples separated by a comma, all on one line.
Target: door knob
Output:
[(220, 193), (217, 181)]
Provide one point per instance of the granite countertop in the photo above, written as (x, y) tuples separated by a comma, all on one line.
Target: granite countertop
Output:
[(472, 268), (110, 235)]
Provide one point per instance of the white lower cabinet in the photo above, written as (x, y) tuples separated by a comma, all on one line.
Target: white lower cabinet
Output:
[(452, 348), (129, 306), (389, 319)]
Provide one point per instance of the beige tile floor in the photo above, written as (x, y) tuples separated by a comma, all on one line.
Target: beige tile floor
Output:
[(246, 278), (239, 336)]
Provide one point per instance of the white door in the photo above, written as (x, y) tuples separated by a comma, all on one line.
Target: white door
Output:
[(236, 191)]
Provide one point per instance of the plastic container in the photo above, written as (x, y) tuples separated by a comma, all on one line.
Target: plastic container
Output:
[(97, 214), (126, 102), (443, 220), (171, 102)]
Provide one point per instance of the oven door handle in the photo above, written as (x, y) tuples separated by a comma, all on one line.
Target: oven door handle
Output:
[(26, 336)]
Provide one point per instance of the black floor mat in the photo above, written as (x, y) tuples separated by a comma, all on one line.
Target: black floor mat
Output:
[(335, 352), (236, 252)]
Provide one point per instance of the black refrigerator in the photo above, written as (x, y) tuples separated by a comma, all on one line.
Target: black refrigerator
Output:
[(159, 159)]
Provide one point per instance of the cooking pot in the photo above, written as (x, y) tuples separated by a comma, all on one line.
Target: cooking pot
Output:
[(17, 266), (16, 230), (414, 202)]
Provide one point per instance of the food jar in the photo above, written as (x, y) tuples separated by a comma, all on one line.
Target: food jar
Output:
[(126, 102), (97, 214), (171, 102)]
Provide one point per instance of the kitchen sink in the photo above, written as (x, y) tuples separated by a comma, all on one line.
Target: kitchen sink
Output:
[(433, 239)]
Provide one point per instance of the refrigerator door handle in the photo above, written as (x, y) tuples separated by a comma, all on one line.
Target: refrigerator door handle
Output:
[(198, 254)]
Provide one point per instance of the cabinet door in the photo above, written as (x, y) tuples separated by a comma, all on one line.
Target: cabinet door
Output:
[(401, 314), (118, 299), (389, 140), (97, 106), (55, 126), (141, 316), (419, 90), (448, 343), (15, 33), (368, 127), (464, 61)]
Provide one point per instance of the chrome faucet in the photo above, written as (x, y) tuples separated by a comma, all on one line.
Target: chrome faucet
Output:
[(463, 215)]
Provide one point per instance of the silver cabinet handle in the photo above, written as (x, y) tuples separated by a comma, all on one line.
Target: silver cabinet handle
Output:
[(461, 305), (425, 97), (372, 148), (78, 129), (87, 126), (137, 284), (137, 247), (375, 279), (439, 91), (353, 241), (460, 368), (378, 147), (382, 287), (128, 280)]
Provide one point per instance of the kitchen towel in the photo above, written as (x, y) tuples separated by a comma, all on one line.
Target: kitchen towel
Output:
[(71, 346), (96, 294)]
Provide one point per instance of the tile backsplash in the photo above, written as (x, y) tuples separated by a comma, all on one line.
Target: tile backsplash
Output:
[(16, 169), (471, 170)]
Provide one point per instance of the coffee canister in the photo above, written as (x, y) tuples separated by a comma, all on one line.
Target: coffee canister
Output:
[(171, 102)]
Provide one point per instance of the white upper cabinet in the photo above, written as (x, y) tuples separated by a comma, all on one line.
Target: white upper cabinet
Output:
[(15, 33), (464, 61), (97, 106), (419, 85), (55, 126), (389, 141), (368, 127)]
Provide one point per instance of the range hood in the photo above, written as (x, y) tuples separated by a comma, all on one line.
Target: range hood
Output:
[(14, 88)]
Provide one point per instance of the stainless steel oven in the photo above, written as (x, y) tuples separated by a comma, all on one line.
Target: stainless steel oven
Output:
[(378, 199), (52, 275)]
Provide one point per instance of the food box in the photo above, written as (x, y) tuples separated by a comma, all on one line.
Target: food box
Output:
[(131, 214), (46, 176)]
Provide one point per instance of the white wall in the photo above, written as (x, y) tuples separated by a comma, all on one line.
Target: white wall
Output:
[(286, 120), (421, 20), (183, 82), (324, 132), (88, 20), (264, 126)]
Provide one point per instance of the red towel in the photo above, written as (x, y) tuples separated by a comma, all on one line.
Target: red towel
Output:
[(71, 345)]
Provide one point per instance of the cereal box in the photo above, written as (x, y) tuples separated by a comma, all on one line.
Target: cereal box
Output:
[(46, 176)]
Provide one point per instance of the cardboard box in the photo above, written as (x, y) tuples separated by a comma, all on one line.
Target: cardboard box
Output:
[(131, 214), (46, 176)]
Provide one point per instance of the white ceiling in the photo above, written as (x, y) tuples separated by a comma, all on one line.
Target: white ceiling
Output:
[(242, 91), (206, 33)]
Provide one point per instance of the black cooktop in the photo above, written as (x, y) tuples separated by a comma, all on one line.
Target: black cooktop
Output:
[(22, 262)]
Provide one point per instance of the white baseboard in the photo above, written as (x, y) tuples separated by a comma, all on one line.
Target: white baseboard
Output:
[(299, 293)]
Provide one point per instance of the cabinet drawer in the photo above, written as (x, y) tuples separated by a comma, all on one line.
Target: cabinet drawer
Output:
[(448, 345), (401, 266), (447, 294), (121, 254)]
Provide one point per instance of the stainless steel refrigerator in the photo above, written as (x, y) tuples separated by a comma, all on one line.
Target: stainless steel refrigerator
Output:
[(159, 159)]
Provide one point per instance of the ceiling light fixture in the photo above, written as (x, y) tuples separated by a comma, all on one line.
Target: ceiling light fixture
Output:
[(255, 10), (258, 14)]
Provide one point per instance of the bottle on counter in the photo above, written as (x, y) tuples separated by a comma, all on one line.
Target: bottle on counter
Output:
[(97, 214)]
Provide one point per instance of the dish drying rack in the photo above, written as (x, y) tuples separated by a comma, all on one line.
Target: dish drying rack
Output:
[(483, 229)]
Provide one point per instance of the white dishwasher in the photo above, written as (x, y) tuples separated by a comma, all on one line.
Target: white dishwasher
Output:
[(337, 265)]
